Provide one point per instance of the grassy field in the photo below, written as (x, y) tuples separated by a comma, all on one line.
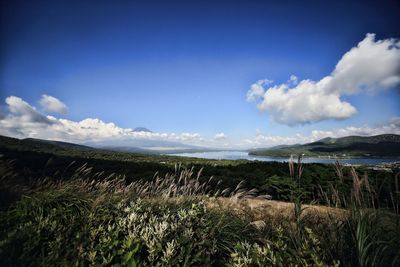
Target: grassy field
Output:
[(74, 207)]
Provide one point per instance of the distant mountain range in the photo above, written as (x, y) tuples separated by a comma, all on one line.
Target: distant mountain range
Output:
[(385, 145), (142, 146)]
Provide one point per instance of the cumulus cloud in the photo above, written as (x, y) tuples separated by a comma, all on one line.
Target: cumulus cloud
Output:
[(52, 104), (371, 66), (25, 121), (262, 140), (257, 89), (25, 112), (219, 136)]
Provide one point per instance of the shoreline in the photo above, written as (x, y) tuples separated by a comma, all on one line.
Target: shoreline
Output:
[(327, 157), (306, 160)]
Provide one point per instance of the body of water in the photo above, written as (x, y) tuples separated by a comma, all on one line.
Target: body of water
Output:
[(235, 155)]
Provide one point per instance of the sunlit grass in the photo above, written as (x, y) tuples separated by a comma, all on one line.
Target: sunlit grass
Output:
[(183, 219)]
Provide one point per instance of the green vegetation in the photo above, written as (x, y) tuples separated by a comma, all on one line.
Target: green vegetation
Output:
[(71, 226), (385, 145), (75, 206)]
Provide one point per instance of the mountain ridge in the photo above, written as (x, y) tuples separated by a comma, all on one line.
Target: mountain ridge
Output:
[(384, 145)]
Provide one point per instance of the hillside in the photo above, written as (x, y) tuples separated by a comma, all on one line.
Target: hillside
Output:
[(33, 144), (14, 147), (55, 143), (385, 145)]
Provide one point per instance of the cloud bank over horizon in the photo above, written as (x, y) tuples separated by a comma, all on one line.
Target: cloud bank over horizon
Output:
[(260, 140), (24, 120), (220, 136), (371, 66)]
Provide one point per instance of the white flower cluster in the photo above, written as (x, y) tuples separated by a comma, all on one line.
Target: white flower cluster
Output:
[(165, 235), (247, 254)]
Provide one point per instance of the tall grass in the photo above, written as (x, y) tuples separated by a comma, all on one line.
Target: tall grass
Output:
[(374, 233), (90, 219)]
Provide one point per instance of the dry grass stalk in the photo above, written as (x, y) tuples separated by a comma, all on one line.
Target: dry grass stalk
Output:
[(339, 170)]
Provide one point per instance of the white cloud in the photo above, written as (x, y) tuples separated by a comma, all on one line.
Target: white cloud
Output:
[(52, 104), (24, 111), (293, 79), (257, 89), (262, 140), (269, 140), (305, 103), (392, 127), (25, 121), (371, 66), (219, 136)]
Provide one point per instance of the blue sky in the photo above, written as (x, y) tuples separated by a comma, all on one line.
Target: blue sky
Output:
[(187, 66)]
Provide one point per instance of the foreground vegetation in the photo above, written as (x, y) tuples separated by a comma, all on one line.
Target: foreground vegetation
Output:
[(178, 220)]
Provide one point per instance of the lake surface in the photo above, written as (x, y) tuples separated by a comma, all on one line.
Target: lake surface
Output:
[(235, 155)]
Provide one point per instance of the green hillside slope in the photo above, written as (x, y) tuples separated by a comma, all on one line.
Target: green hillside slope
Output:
[(385, 145)]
